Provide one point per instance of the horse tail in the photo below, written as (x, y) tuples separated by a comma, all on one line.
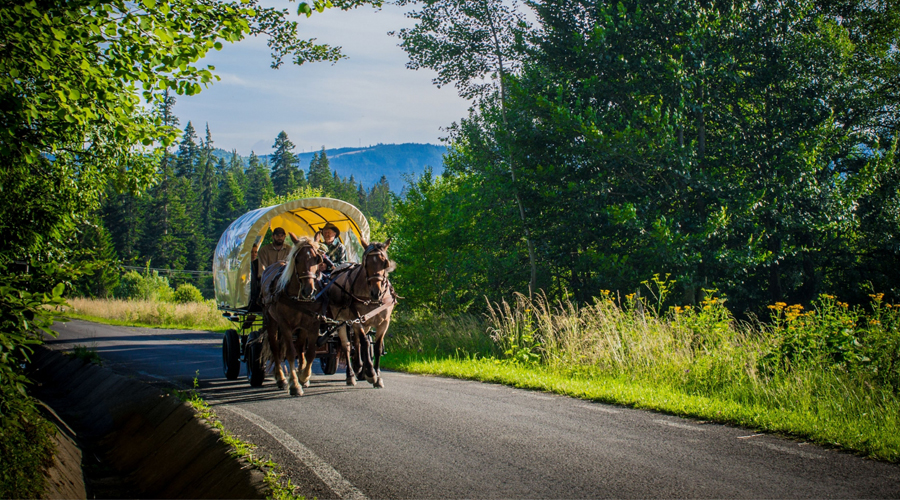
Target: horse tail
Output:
[(265, 355)]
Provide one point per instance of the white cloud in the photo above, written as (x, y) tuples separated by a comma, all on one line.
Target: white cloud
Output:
[(366, 99)]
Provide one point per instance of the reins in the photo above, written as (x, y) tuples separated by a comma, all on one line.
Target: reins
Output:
[(353, 279)]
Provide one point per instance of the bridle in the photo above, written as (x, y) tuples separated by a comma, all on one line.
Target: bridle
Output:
[(379, 277), (313, 276)]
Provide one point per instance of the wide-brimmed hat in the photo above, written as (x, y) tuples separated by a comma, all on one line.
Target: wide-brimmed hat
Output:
[(332, 227)]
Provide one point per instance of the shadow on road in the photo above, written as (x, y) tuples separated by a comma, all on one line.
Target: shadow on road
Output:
[(221, 391), (161, 336)]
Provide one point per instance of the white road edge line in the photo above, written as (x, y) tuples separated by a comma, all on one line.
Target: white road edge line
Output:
[(597, 407), (785, 449), (332, 478), (680, 425)]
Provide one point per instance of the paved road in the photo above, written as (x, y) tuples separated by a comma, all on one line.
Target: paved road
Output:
[(431, 437)]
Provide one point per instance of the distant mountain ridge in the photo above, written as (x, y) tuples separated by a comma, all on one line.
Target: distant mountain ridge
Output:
[(368, 164)]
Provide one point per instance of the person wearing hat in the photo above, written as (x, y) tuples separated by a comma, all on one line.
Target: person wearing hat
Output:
[(333, 247), (273, 252)]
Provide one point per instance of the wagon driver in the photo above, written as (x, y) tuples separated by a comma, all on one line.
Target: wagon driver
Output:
[(333, 247), (273, 252)]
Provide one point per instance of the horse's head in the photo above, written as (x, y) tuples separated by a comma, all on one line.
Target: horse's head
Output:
[(377, 266), (305, 259)]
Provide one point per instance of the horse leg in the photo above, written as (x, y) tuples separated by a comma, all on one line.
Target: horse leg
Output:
[(307, 355), (380, 330), (345, 349), (295, 389), (365, 354), (277, 354)]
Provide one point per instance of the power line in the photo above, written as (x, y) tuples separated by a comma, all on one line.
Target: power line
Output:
[(169, 271)]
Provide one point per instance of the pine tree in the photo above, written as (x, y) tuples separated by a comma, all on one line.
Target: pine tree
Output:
[(206, 183), (96, 249), (259, 184), (162, 246), (320, 172), (230, 204), (236, 167), (362, 199), (165, 221), (379, 202), (123, 214), (187, 152), (286, 177)]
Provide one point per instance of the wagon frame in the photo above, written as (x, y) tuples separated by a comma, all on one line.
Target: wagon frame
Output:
[(233, 275)]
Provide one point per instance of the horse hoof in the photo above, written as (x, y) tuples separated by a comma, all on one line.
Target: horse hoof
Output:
[(296, 391), (281, 385), (380, 383), (306, 384), (371, 380), (351, 381)]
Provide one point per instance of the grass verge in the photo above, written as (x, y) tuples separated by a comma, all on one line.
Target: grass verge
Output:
[(875, 435), (149, 314), (27, 447), (280, 486)]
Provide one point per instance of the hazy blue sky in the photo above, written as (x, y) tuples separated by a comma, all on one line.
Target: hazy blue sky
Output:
[(367, 99)]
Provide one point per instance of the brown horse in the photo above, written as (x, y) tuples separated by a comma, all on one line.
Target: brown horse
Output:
[(288, 292), (364, 292)]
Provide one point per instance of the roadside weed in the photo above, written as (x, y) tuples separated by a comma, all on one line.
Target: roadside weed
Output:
[(280, 487), (827, 373)]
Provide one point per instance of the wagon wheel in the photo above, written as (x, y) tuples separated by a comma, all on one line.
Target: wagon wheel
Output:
[(256, 371), (329, 360), (231, 354)]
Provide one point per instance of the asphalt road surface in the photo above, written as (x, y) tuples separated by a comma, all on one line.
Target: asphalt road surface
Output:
[(432, 437)]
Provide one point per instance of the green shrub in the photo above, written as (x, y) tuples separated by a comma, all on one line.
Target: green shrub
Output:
[(26, 446), (187, 292), (86, 354), (147, 286)]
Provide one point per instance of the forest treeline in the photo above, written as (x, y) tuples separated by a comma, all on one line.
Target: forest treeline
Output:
[(176, 223), (741, 147), (745, 147)]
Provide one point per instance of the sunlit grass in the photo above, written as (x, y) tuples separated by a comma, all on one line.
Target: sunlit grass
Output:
[(146, 313), (826, 375)]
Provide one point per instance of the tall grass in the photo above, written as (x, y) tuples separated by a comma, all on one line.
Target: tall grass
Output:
[(829, 374), (190, 315)]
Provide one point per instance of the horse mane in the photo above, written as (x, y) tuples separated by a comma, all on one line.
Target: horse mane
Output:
[(285, 277)]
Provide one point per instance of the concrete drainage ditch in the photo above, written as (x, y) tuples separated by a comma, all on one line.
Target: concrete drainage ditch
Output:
[(155, 444)]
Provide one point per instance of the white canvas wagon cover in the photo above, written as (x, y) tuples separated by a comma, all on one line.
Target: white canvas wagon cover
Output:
[(231, 262)]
